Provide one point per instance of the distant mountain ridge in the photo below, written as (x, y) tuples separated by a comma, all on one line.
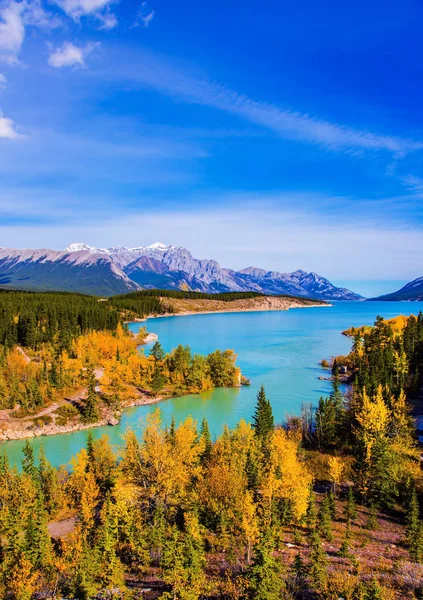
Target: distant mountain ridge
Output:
[(411, 292), (120, 269)]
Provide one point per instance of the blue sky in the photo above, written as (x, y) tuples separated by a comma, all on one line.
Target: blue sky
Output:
[(280, 135)]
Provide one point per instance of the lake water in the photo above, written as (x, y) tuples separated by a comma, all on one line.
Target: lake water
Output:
[(280, 350)]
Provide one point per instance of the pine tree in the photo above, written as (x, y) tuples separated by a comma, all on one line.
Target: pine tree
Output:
[(372, 522), (311, 514), (90, 413), (182, 563), (263, 421), (324, 521), (37, 545), (350, 510), (206, 437), (264, 576), (28, 462), (344, 551), (158, 380), (252, 471), (111, 568), (318, 559), (412, 517), (157, 352), (332, 505)]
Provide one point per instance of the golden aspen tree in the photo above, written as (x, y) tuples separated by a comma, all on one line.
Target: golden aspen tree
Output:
[(336, 470)]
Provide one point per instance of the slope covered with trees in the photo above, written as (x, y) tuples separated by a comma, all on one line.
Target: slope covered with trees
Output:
[(326, 507), (66, 359)]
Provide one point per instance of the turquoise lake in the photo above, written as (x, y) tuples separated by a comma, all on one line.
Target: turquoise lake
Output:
[(280, 350)]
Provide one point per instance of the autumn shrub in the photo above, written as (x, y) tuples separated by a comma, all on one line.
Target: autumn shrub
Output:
[(66, 413)]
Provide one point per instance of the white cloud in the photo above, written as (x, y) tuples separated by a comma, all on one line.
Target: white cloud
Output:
[(14, 18), (415, 184), (7, 129), (3, 82), (12, 31), (107, 20), (145, 15), (69, 55), (35, 15), (99, 9), (238, 236), (286, 123)]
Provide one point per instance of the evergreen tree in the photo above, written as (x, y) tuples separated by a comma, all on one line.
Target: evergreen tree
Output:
[(350, 510), (37, 545), (158, 380), (414, 528), (372, 522), (324, 521), (265, 575), (157, 352), (318, 559), (111, 568), (263, 421), (345, 547), (252, 471), (28, 462), (311, 514), (332, 504), (206, 437), (90, 413)]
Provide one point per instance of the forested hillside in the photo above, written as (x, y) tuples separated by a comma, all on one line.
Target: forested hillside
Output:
[(325, 507), (32, 319), (66, 360)]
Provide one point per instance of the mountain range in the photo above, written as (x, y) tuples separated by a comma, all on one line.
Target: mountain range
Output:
[(412, 291), (120, 269)]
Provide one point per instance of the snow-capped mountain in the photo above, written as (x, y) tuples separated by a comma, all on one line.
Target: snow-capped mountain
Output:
[(412, 291), (106, 271)]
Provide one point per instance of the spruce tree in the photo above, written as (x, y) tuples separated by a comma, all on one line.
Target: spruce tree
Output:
[(311, 514), (318, 559), (206, 437), (412, 517), (263, 421), (332, 504), (350, 510), (157, 352), (372, 522), (265, 575), (324, 521), (158, 380), (28, 462), (90, 413)]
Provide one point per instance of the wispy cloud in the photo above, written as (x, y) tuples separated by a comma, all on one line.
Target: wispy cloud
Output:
[(12, 31), (14, 18), (8, 129), (99, 9), (69, 55), (274, 238), (415, 184), (285, 122), (3, 82), (145, 15), (108, 20)]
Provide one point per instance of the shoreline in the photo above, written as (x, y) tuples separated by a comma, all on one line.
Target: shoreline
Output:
[(112, 418), (190, 313)]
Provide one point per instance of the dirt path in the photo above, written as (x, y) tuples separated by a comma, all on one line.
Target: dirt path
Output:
[(24, 354)]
